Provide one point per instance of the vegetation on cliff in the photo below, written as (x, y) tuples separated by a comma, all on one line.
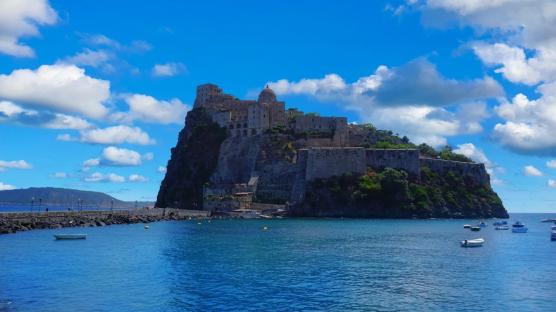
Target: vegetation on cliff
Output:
[(391, 193), (192, 162), (388, 140)]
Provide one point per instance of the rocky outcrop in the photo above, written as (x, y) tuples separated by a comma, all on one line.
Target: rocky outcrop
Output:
[(192, 162)]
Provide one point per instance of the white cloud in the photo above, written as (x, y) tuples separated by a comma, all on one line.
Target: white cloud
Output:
[(21, 18), (10, 112), (529, 125), (148, 109), (93, 162), (411, 100), (161, 169), (116, 135), (100, 40), (113, 156), (59, 175), (551, 164), (61, 88), (168, 69), (148, 156), (99, 177), (551, 183), (88, 57), (472, 152), (14, 164), (65, 137), (137, 178), (6, 187), (532, 171)]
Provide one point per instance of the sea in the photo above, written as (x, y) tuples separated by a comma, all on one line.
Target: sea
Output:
[(281, 265)]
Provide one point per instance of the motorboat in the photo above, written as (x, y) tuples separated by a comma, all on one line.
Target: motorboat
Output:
[(483, 224), (466, 226), (247, 213), (478, 242), (475, 228), (549, 220), (70, 236), (502, 228), (519, 227), (499, 223), (146, 226), (553, 234)]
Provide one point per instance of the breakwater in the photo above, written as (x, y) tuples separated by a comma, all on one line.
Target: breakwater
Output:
[(11, 222)]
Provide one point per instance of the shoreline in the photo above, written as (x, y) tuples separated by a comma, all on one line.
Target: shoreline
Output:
[(12, 222)]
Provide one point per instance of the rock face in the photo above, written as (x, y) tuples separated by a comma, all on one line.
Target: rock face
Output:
[(192, 162)]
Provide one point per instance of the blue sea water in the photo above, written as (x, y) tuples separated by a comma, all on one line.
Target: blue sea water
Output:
[(297, 264)]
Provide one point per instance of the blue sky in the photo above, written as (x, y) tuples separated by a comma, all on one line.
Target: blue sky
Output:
[(93, 94)]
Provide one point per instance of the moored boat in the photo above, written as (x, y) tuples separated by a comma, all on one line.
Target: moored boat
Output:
[(499, 223), (553, 235), (482, 224), (519, 227), (466, 226), (475, 228), (478, 242), (502, 228), (70, 236)]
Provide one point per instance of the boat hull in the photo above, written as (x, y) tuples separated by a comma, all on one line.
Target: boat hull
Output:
[(502, 228), (520, 230), (69, 236), (472, 242)]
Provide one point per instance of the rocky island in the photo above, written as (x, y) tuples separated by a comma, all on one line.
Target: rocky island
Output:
[(257, 155)]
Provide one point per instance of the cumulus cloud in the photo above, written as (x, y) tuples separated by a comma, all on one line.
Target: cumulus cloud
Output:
[(149, 109), (100, 40), (168, 69), (21, 18), (60, 88), (114, 156), (532, 171), (137, 178), (412, 99), (10, 112), (551, 164), (161, 169), (551, 183), (14, 164), (99, 177), (529, 125), (6, 187), (116, 135)]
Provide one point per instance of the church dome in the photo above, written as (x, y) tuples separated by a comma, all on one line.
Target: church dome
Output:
[(267, 95)]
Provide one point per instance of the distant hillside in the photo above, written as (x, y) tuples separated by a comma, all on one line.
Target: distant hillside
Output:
[(64, 197)]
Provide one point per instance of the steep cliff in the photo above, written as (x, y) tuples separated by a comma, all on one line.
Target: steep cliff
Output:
[(192, 162)]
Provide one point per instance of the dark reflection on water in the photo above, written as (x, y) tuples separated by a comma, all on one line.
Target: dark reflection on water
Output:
[(382, 265)]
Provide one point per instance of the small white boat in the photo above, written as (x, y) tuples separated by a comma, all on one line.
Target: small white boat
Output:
[(553, 235), (502, 228), (478, 242), (70, 236), (146, 226), (466, 226)]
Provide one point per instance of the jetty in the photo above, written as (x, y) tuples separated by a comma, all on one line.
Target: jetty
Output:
[(11, 222)]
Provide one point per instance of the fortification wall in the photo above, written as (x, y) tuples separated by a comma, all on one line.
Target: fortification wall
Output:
[(404, 159), (326, 162), (475, 171)]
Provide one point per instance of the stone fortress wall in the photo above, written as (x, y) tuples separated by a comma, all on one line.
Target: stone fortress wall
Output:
[(333, 161), (328, 149)]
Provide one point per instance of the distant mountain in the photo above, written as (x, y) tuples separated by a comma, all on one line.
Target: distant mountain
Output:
[(65, 197)]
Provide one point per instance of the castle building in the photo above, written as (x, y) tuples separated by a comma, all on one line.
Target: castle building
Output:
[(250, 117)]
